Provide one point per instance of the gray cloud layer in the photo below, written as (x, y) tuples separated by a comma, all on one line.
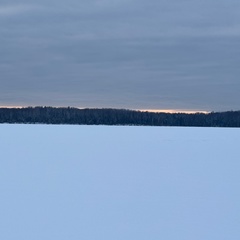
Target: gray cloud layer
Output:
[(135, 54)]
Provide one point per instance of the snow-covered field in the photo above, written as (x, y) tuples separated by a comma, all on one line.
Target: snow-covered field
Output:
[(119, 183)]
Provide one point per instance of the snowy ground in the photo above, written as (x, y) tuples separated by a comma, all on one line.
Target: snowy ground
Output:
[(119, 183)]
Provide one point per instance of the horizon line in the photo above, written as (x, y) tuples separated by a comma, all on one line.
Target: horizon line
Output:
[(190, 111), (174, 111)]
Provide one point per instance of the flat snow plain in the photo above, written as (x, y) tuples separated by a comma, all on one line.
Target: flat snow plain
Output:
[(119, 183)]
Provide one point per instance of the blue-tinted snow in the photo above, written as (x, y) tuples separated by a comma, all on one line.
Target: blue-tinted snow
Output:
[(119, 183)]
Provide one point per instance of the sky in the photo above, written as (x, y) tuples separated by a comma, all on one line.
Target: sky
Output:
[(136, 54), (138, 183)]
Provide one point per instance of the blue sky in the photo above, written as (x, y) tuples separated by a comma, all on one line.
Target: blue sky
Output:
[(123, 183), (132, 54)]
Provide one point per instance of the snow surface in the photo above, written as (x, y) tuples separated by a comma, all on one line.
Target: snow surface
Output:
[(119, 183)]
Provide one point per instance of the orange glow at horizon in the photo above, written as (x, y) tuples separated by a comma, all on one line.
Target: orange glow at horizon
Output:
[(141, 110), (172, 111), (12, 106)]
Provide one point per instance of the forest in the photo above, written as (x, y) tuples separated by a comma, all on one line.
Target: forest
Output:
[(108, 116)]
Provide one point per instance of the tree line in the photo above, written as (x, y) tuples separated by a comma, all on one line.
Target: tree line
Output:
[(69, 115)]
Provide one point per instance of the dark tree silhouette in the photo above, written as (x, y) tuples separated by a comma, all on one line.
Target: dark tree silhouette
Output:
[(69, 115)]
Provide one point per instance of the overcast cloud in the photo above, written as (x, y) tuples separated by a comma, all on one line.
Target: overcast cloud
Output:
[(138, 54)]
